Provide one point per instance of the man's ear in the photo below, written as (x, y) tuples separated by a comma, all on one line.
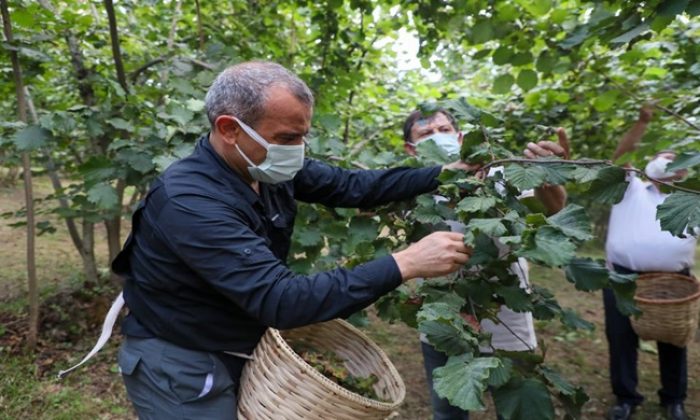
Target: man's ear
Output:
[(227, 128), (460, 137)]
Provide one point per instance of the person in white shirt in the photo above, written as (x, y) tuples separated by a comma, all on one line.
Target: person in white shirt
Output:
[(636, 244), (515, 330)]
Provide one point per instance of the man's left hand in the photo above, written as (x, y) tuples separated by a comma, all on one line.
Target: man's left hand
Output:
[(549, 148), (553, 197)]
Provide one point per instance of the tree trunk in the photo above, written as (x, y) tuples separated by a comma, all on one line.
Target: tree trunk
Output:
[(113, 241), (113, 226), (135, 197), (28, 190), (98, 145), (55, 180), (200, 31), (346, 132), (32, 285), (116, 52), (87, 253), (164, 73)]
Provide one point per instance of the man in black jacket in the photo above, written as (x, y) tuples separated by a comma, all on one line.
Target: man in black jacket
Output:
[(204, 266)]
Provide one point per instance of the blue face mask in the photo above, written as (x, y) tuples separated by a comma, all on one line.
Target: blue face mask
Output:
[(446, 141)]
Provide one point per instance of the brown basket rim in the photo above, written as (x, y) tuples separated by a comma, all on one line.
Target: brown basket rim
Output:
[(681, 277), (333, 387)]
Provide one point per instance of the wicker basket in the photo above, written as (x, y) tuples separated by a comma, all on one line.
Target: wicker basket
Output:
[(279, 384), (670, 305)]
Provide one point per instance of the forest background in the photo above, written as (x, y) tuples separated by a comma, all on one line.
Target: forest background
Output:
[(110, 94)]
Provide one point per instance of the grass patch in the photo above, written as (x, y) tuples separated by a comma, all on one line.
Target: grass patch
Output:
[(70, 322), (94, 393)]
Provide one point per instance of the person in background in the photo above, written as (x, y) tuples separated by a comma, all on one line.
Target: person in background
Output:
[(516, 331), (204, 266), (636, 244)]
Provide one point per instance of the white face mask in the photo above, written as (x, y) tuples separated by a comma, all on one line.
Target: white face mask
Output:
[(281, 163), (449, 142), (656, 168)]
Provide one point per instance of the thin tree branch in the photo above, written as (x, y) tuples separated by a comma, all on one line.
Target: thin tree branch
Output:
[(672, 112), (360, 145), (201, 63), (585, 162), (668, 184), (293, 41), (358, 66), (136, 73), (655, 105), (171, 38), (495, 315), (173, 24), (55, 180), (581, 162), (346, 131), (98, 145), (488, 140), (200, 30), (116, 52), (514, 333), (328, 36), (135, 198), (82, 73)]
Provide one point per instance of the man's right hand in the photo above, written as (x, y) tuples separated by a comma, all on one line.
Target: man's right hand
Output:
[(461, 165), (437, 254), (545, 148)]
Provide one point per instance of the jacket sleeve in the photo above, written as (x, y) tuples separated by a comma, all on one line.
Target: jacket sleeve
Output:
[(318, 182), (218, 244)]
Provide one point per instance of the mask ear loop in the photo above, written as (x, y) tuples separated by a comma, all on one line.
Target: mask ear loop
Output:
[(245, 157), (253, 134)]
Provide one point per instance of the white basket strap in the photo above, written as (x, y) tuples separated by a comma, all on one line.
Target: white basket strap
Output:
[(107, 327), (241, 355)]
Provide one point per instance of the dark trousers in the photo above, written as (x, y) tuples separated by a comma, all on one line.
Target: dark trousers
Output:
[(442, 410), (165, 381), (623, 344)]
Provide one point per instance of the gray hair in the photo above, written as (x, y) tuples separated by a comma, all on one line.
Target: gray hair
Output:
[(242, 90)]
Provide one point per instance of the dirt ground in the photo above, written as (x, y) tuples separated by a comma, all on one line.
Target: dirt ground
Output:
[(58, 262)]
